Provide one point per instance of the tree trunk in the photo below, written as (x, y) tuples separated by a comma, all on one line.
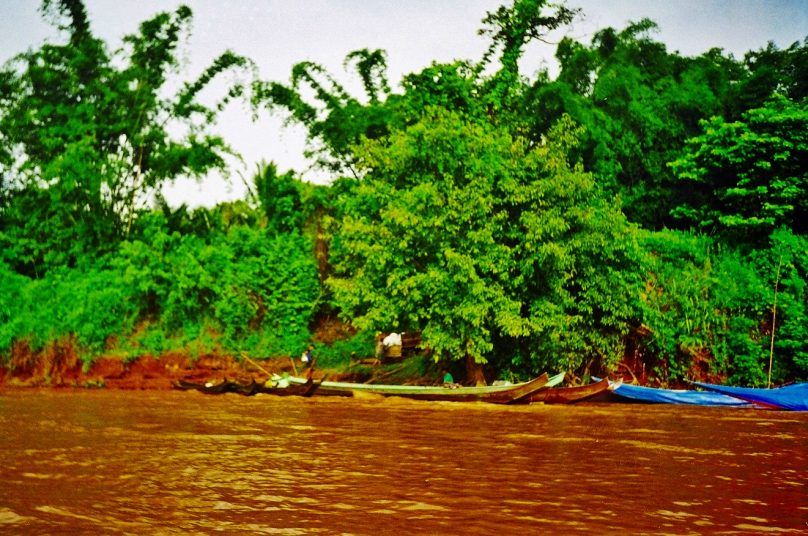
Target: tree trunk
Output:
[(474, 372)]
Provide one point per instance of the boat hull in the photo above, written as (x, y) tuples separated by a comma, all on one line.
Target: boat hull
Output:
[(307, 388), (217, 387), (570, 395), (498, 394)]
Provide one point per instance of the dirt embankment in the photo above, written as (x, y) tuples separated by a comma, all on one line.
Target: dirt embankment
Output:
[(60, 366)]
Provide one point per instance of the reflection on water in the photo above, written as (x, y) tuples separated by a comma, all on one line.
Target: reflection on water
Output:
[(89, 462)]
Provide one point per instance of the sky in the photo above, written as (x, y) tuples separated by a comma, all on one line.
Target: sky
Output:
[(276, 34)]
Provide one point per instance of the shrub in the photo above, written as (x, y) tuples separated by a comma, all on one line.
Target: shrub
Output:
[(92, 304)]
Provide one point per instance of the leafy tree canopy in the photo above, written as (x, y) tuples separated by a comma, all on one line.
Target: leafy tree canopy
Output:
[(93, 133), (475, 238), (749, 177)]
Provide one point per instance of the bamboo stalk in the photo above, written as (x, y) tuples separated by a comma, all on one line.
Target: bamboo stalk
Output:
[(256, 365), (774, 322), (388, 373)]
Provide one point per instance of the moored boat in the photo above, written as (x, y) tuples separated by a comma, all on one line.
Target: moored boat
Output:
[(569, 395), (275, 386), (791, 397), (210, 387), (497, 394), (653, 395)]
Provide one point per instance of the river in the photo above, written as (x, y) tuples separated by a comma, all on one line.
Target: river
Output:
[(150, 462)]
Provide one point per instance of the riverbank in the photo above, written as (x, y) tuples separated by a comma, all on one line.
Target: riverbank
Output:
[(63, 369), (60, 367)]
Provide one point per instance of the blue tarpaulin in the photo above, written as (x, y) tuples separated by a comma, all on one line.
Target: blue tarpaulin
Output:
[(676, 396), (793, 397)]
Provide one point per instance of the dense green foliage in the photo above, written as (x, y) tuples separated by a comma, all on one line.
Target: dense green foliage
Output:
[(711, 306), (89, 133), (641, 206), (749, 177), (90, 305), (241, 289), (490, 247)]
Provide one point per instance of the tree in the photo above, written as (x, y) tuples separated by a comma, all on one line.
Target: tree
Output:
[(280, 199), (335, 120), (748, 177), (638, 104), (511, 28), (91, 133), (445, 191), (468, 234), (770, 71)]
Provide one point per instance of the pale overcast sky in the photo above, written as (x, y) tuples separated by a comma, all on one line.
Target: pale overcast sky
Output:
[(278, 33)]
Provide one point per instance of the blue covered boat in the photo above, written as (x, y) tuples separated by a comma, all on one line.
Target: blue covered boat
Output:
[(675, 396), (792, 397)]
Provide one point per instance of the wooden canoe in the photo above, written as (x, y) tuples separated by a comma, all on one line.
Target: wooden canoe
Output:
[(211, 387), (569, 395), (496, 394), (216, 387)]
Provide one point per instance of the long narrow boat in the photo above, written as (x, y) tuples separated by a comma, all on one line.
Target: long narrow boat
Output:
[(791, 397), (651, 395), (216, 387), (569, 395), (497, 394)]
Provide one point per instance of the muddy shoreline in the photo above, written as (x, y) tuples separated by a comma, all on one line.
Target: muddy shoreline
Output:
[(64, 370), (59, 366)]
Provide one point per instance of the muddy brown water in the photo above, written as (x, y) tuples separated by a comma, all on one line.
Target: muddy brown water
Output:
[(150, 462)]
